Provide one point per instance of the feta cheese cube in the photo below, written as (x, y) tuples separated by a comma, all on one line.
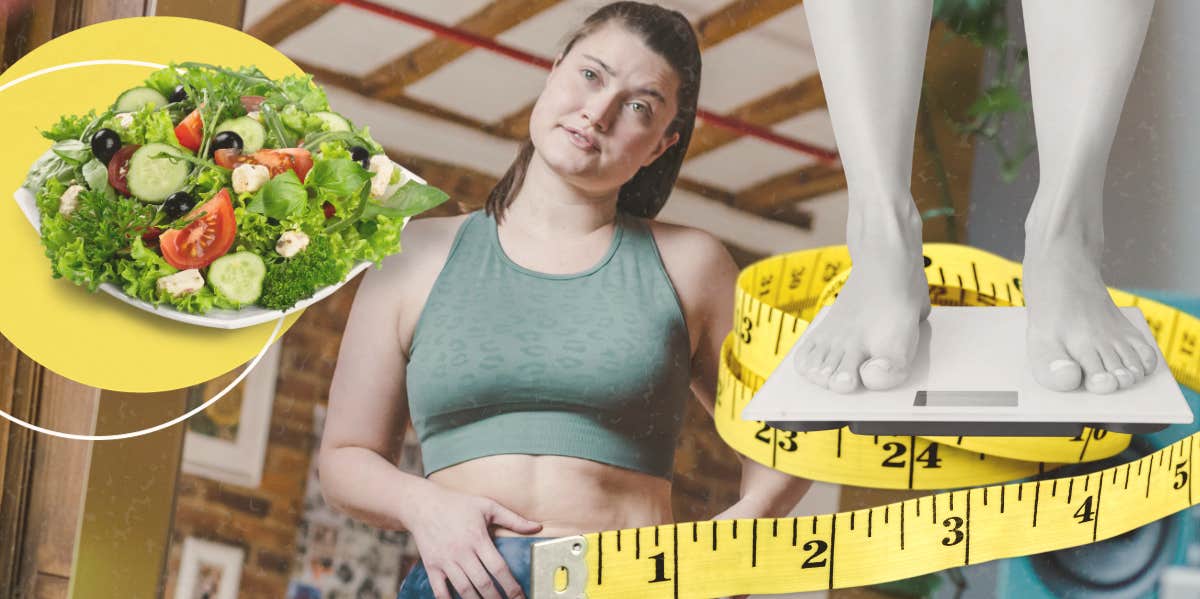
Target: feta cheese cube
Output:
[(382, 166), (69, 200), (254, 115), (249, 178), (181, 283), (291, 243), (125, 119)]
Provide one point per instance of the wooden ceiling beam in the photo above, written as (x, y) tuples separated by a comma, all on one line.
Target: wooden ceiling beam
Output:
[(736, 17), (783, 191), (389, 80), (778, 106), (288, 18)]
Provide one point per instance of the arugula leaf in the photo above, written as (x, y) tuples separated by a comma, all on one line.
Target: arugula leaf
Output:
[(411, 199)]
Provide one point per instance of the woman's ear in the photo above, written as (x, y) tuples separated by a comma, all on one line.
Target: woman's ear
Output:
[(664, 144)]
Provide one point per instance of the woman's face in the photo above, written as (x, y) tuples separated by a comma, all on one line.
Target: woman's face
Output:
[(605, 110)]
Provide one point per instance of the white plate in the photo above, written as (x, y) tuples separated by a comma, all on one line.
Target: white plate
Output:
[(216, 318)]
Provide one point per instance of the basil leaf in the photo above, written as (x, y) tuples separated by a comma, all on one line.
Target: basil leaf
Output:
[(95, 173), (72, 151), (283, 196), (411, 199), (340, 177)]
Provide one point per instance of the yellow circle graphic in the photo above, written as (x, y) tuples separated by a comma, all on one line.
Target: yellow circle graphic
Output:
[(93, 338)]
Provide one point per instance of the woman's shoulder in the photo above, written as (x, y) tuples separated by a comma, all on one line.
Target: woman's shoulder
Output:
[(425, 246), (699, 266), (690, 250)]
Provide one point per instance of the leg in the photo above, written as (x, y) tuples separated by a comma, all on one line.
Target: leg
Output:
[(871, 57), (1082, 57)]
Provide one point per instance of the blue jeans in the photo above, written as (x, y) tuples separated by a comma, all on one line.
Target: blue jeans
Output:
[(516, 551)]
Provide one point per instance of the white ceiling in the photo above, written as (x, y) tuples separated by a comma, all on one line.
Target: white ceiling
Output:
[(740, 69)]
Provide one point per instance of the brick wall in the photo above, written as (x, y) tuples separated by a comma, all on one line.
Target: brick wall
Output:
[(264, 521)]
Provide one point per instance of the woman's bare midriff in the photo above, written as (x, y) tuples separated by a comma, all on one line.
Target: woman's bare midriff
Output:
[(567, 495)]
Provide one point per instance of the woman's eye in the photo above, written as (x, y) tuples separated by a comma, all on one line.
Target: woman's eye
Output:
[(639, 107), (589, 74)]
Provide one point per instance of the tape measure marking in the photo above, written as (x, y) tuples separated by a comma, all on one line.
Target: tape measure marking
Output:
[(958, 527)]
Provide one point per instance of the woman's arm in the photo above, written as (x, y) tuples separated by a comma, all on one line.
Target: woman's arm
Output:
[(368, 410), (765, 492)]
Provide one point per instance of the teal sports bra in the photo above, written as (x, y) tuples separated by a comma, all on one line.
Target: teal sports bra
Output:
[(506, 360)]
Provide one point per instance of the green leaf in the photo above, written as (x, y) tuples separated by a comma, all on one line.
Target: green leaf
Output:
[(72, 151), (69, 127), (340, 177), (998, 99), (283, 196), (411, 199), (95, 173)]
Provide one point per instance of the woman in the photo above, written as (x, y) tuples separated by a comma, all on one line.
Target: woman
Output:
[(544, 347)]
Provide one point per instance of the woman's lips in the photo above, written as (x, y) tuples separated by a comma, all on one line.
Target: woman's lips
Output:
[(579, 139)]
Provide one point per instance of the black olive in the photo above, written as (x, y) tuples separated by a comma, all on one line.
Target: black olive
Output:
[(178, 204), (178, 94), (226, 140), (361, 155), (105, 143)]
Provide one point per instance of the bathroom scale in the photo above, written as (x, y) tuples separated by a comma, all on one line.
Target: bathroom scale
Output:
[(970, 377)]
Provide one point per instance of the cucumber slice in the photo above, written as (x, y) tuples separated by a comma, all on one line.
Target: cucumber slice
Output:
[(238, 277), (152, 179), (134, 99), (251, 131), (335, 121)]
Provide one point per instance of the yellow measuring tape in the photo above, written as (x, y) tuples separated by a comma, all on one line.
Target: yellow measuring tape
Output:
[(775, 299)]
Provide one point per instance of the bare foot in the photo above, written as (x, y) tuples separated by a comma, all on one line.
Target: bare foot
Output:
[(1075, 335), (870, 333)]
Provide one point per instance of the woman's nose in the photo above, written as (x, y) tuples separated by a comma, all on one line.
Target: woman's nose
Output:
[(599, 111)]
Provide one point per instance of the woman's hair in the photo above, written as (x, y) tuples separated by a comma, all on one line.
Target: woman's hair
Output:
[(669, 34)]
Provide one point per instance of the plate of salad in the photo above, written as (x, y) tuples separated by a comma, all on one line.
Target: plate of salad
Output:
[(218, 196)]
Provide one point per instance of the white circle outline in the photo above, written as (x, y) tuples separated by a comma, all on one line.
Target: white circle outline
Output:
[(227, 389), (152, 429)]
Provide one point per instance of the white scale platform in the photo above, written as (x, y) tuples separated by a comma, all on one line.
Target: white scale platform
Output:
[(971, 377)]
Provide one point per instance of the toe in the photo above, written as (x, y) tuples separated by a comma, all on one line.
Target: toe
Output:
[(1115, 366), (1096, 379), (884, 372), (824, 372), (803, 351), (1130, 359), (1149, 357), (845, 378), (1053, 368), (816, 359)]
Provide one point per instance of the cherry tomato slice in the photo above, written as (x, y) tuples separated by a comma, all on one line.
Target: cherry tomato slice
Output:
[(207, 238), (190, 131), (118, 168), (229, 158)]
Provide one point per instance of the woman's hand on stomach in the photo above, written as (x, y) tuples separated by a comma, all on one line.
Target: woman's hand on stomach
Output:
[(567, 495), (453, 537)]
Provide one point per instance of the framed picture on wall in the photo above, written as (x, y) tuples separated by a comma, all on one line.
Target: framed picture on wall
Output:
[(227, 441), (209, 570)]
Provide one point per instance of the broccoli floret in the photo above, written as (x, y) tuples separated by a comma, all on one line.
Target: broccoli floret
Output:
[(297, 278)]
